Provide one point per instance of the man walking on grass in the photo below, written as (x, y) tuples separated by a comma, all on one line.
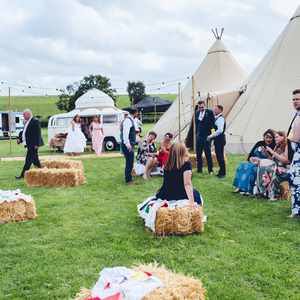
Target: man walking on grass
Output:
[(31, 137)]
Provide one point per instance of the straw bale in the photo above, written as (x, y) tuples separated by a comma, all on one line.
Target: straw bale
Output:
[(15, 211), (62, 164), (179, 221), (193, 159), (54, 177), (176, 286)]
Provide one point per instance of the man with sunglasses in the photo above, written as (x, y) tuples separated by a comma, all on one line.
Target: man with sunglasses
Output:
[(294, 156)]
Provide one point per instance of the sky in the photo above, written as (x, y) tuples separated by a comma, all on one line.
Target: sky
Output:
[(48, 44)]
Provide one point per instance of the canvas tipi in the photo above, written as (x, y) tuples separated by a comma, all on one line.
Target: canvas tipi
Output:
[(219, 71), (266, 102)]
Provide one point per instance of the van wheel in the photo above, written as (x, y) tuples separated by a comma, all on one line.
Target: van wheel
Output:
[(110, 144)]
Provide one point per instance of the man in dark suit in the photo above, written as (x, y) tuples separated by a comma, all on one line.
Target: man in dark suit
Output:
[(31, 138), (205, 120)]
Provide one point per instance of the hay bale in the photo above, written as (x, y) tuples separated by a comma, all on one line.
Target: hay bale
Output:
[(54, 177), (193, 159), (62, 164), (176, 286), (179, 221), (16, 211), (285, 192)]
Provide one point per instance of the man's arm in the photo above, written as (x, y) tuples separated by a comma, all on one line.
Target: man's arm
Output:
[(220, 123), (126, 129)]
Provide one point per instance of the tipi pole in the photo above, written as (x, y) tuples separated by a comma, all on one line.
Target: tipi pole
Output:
[(194, 115), (179, 111)]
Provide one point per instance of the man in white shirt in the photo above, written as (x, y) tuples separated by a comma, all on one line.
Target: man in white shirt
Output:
[(128, 139), (219, 139)]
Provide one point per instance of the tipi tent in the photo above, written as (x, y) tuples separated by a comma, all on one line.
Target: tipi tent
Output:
[(219, 71), (266, 102)]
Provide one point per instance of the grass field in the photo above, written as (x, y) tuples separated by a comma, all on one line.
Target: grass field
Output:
[(249, 251), (45, 106)]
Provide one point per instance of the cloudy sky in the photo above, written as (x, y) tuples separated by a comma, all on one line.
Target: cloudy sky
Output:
[(51, 43)]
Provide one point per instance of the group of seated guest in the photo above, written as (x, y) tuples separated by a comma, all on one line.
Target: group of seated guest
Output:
[(148, 158), (266, 168)]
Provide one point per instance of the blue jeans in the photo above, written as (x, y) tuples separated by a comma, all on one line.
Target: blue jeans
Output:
[(129, 160)]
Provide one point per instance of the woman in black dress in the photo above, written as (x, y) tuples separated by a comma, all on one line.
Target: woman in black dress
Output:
[(177, 183)]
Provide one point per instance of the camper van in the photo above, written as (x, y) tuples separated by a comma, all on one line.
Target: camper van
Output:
[(111, 120), (93, 103), (11, 122)]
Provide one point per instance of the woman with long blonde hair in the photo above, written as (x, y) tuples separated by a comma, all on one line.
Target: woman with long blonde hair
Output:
[(177, 182)]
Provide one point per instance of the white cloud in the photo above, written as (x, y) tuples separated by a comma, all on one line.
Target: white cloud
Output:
[(284, 8), (54, 42)]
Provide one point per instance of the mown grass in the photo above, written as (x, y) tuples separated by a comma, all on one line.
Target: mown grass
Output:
[(249, 251)]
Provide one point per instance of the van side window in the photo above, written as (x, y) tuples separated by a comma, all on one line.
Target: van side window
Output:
[(110, 119), (17, 119)]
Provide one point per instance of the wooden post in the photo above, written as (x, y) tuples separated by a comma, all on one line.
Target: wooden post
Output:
[(179, 111), (9, 121), (193, 113)]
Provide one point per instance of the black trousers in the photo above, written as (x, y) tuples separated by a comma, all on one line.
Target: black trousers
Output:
[(203, 145), (129, 160), (32, 157), (219, 148)]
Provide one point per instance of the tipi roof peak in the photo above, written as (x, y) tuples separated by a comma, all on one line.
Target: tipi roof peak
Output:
[(296, 14), (218, 35)]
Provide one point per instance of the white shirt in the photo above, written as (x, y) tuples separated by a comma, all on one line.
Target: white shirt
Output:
[(201, 115), (220, 123), (127, 124), (24, 131)]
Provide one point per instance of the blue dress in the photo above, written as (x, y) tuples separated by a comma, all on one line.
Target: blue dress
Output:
[(245, 175)]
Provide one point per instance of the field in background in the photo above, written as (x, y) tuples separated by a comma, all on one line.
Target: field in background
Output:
[(45, 106)]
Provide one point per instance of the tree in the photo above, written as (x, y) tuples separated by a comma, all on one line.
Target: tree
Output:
[(67, 98), (136, 91)]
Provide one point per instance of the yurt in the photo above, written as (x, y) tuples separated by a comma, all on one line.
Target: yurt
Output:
[(218, 74), (266, 102)]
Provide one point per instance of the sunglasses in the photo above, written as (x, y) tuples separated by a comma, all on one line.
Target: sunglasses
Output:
[(296, 99)]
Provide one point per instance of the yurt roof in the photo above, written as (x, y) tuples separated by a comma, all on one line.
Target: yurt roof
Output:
[(94, 98), (219, 71), (266, 102)]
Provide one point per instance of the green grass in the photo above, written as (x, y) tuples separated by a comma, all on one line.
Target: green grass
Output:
[(249, 250), (45, 106), (40, 105)]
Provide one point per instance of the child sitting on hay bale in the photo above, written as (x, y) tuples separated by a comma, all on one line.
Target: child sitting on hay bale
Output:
[(177, 207), (143, 282), (15, 207)]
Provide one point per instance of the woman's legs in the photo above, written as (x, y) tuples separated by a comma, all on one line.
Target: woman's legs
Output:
[(151, 163)]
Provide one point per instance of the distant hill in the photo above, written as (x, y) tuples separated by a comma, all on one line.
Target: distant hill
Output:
[(45, 106)]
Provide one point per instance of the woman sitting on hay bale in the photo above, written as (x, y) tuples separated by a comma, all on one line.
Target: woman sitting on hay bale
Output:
[(177, 189)]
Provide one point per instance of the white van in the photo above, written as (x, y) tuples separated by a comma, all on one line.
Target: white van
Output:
[(111, 118), (11, 122)]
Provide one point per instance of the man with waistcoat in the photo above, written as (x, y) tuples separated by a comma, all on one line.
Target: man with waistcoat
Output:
[(219, 139), (128, 140)]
